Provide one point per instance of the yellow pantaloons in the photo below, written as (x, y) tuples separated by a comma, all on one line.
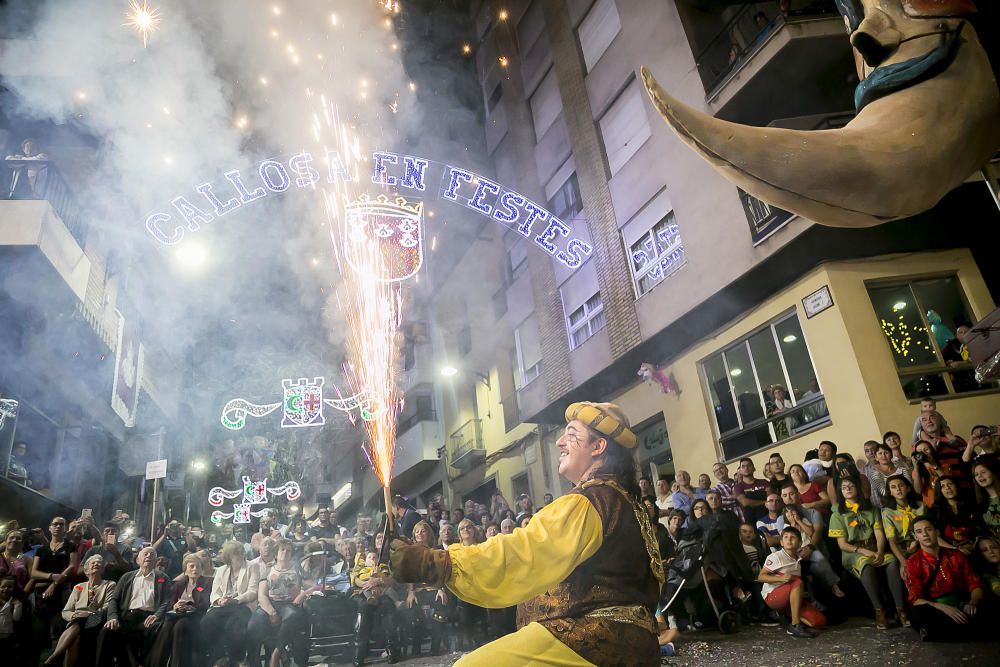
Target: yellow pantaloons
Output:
[(531, 645)]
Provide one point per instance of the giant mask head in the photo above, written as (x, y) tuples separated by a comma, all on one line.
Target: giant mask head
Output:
[(928, 117)]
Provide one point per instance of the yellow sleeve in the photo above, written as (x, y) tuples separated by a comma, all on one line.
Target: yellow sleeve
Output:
[(508, 569)]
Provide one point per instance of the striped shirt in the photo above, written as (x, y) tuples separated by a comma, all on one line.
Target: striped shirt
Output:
[(729, 502)]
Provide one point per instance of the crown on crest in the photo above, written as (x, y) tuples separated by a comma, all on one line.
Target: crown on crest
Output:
[(382, 204)]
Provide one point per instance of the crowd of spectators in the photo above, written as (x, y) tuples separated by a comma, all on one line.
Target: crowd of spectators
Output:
[(913, 536), (909, 533), (78, 595)]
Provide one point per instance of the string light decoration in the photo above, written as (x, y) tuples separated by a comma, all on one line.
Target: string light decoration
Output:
[(254, 493), (904, 339), (143, 19), (402, 172), (302, 405)]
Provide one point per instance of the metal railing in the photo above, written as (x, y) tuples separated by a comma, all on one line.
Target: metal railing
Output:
[(466, 440), (40, 179), (414, 419), (743, 35), (810, 413)]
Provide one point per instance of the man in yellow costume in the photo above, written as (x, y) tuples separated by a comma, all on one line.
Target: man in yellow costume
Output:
[(585, 573)]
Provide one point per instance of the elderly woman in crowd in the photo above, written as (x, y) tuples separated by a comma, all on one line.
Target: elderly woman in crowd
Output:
[(191, 596), (233, 600), (84, 614), (857, 527)]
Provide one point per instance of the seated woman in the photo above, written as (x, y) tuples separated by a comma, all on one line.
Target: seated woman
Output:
[(811, 494), (927, 470), (857, 527), (901, 507), (844, 466), (178, 640), (986, 473), (233, 600), (84, 614), (370, 583), (988, 563), (280, 597), (436, 601), (958, 521)]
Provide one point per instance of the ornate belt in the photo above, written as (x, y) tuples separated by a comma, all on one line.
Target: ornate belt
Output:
[(634, 614)]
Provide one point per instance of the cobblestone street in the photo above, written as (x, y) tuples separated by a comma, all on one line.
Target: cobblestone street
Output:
[(853, 643)]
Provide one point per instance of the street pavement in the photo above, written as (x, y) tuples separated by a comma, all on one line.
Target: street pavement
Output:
[(854, 643)]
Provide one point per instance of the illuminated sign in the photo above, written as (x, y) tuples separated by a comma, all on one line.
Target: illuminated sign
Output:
[(254, 493), (302, 406), (403, 172)]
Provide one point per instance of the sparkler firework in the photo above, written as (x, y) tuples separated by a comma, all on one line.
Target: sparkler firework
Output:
[(142, 18)]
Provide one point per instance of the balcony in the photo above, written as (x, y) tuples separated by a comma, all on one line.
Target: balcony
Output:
[(467, 449), (41, 180), (793, 65), (418, 438)]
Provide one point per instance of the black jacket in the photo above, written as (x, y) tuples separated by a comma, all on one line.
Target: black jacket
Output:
[(123, 593)]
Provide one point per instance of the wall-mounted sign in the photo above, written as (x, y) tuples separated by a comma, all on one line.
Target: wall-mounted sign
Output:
[(817, 302), (156, 469)]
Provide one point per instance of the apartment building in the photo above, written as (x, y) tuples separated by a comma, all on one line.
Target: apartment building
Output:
[(731, 298)]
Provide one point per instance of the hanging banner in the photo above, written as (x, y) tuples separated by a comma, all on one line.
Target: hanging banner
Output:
[(128, 372)]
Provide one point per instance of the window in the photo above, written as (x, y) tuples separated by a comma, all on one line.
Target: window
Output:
[(494, 98), (566, 203), (625, 126), (598, 30), (546, 105), (527, 353), (517, 258), (918, 319), (763, 389), (585, 321), (657, 255)]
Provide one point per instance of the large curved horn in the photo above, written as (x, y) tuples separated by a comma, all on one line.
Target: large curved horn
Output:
[(896, 158)]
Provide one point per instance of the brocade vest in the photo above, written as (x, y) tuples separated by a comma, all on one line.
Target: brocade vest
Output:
[(604, 609)]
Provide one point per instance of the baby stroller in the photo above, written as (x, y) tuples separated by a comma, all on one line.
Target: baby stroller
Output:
[(687, 575)]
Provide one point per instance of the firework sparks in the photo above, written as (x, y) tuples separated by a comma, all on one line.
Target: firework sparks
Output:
[(142, 18)]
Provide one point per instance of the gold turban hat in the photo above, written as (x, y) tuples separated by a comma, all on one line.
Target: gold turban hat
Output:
[(605, 418)]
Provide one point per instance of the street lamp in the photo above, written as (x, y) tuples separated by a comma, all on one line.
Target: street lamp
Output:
[(451, 371), (199, 466)]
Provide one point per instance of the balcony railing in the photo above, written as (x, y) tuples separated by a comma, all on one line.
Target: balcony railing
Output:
[(744, 34), (40, 179), (763, 218), (467, 447), (809, 414), (414, 419)]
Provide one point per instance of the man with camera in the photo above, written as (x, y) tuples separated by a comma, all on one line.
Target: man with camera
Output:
[(983, 441), (118, 558)]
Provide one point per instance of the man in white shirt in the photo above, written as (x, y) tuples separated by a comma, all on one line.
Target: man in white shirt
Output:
[(781, 577), (135, 613), (663, 501), (264, 562)]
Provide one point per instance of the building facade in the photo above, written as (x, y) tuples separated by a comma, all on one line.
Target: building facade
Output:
[(745, 307)]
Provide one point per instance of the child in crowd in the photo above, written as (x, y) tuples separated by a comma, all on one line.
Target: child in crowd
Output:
[(781, 577), (362, 572)]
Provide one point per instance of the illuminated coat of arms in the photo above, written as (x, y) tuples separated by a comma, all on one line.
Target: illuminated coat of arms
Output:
[(254, 493), (395, 224), (303, 404)]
